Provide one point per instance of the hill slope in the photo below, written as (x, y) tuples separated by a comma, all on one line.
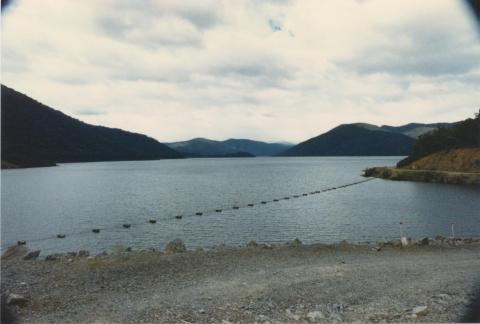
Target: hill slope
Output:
[(455, 160), (465, 134), (415, 130), (36, 135), (202, 147), (353, 140), (256, 148), (446, 155)]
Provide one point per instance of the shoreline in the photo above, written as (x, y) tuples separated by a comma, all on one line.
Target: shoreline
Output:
[(293, 282), (432, 176)]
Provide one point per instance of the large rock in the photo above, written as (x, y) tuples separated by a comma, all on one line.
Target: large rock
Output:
[(292, 315), (440, 238), (175, 246), (296, 242), (424, 241), (53, 257), (419, 310), (381, 243), (15, 251), (32, 255), (252, 244), (396, 243), (17, 300), (8, 313), (315, 316)]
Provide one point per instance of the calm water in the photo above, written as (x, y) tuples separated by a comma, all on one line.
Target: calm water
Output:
[(39, 203)]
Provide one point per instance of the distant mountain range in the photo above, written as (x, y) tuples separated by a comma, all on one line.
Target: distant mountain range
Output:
[(362, 139), (36, 135), (202, 147), (413, 130)]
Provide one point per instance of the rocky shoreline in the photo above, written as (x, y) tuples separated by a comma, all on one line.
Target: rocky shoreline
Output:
[(178, 246), (421, 280)]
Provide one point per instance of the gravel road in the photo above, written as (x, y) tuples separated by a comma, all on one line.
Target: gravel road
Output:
[(313, 283)]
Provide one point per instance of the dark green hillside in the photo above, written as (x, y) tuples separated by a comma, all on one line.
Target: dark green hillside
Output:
[(36, 135), (354, 140)]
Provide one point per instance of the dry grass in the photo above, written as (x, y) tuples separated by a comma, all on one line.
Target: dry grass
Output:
[(458, 160)]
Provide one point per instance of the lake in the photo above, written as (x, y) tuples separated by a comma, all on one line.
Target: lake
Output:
[(39, 203)]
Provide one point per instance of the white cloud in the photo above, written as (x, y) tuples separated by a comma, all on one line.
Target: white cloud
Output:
[(271, 70)]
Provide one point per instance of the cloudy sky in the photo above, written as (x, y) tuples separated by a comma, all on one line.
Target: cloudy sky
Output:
[(267, 70)]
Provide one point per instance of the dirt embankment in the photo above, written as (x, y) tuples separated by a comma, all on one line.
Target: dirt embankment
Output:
[(457, 160), (289, 283), (424, 175), (458, 166)]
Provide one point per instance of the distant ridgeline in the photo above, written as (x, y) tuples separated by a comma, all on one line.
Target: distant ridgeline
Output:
[(455, 148), (362, 139), (202, 147), (36, 135)]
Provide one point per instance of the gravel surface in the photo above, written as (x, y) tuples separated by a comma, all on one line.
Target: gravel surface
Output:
[(290, 283)]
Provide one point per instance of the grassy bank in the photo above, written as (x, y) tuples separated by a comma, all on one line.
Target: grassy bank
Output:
[(434, 176), (457, 160)]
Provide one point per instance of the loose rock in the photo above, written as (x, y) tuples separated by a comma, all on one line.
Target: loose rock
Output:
[(18, 300), (175, 246), (440, 238), (291, 315), (315, 316), (419, 310), (381, 243), (52, 257), (14, 251), (424, 241), (32, 255), (252, 244), (296, 242), (344, 243), (396, 243)]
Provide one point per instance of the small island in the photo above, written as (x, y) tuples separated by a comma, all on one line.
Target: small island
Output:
[(445, 155)]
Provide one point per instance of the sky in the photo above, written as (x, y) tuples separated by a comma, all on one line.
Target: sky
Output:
[(266, 70)]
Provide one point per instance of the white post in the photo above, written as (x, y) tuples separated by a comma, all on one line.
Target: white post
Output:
[(403, 239)]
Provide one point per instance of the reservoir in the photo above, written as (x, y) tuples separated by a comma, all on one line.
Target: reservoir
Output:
[(72, 199)]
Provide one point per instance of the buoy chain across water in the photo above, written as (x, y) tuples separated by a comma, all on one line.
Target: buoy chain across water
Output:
[(198, 213)]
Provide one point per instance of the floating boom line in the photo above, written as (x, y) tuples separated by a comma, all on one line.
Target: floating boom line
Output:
[(126, 226)]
